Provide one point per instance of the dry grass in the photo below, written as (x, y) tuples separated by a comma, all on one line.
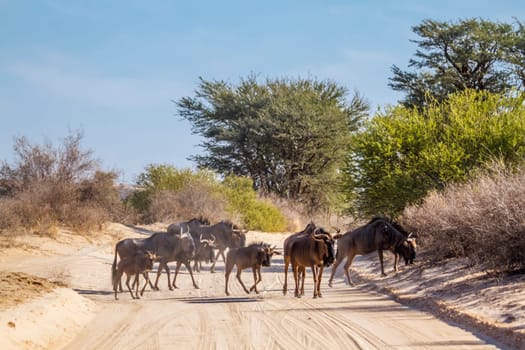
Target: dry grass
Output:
[(17, 287), (483, 219)]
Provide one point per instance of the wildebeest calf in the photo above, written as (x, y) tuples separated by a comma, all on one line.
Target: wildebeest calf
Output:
[(255, 255), (140, 263)]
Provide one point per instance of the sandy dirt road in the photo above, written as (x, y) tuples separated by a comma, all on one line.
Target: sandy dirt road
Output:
[(206, 318)]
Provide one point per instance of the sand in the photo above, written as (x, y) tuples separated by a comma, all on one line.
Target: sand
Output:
[(420, 307)]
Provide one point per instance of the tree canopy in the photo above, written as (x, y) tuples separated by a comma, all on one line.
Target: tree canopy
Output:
[(404, 152), (290, 136), (455, 56)]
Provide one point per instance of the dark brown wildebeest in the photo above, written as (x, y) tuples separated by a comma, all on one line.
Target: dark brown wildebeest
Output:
[(169, 246), (139, 263), (313, 247), (255, 255), (204, 251), (226, 235), (379, 234)]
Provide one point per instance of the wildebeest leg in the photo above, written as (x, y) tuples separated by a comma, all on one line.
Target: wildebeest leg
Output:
[(396, 259), (315, 277), (295, 269), (319, 276), (337, 262), (116, 282), (227, 270), (177, 268), (302, 275), (162, 265), (220, 252), (146, 276), (195, 265), (256, 279), (348, 263), (239, 271), (188, 267), (136, 284), (286, 263), (128, 277), (380, 253)]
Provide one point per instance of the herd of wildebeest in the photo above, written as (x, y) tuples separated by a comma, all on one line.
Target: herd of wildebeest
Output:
[(197, 241)]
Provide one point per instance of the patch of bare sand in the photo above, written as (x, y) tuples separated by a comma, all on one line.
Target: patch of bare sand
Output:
[(452, 291), (36, 311), (48, 321)]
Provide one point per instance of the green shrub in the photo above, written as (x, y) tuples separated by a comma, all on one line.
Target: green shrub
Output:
[(403, 153), (255, 214)]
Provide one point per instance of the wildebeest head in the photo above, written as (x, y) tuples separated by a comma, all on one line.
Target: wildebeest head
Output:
[(265, 253), (408, 250), (329, 254), (149, 258), (205, 249)]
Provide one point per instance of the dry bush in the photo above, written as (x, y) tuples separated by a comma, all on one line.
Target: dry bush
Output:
[(189, 202), (296, 214), (483, 219), (295, 221), (48, 186)]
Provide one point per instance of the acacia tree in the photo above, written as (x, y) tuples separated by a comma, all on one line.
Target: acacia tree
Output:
[(469, 54), (289, 136)]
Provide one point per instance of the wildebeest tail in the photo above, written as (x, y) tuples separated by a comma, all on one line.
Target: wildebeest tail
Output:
[(114, 267)]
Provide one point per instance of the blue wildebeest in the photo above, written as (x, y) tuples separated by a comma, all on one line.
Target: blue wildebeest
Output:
[(204, 245), (173, 246), (204, 251), (313, 247), (134, 265), (379, 234), (225, 235), (255, 255)]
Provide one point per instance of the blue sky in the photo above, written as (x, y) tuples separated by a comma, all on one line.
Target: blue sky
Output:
[(112, 68)]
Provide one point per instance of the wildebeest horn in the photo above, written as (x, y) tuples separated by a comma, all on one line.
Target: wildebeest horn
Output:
[(213, 239), (337, 229)]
